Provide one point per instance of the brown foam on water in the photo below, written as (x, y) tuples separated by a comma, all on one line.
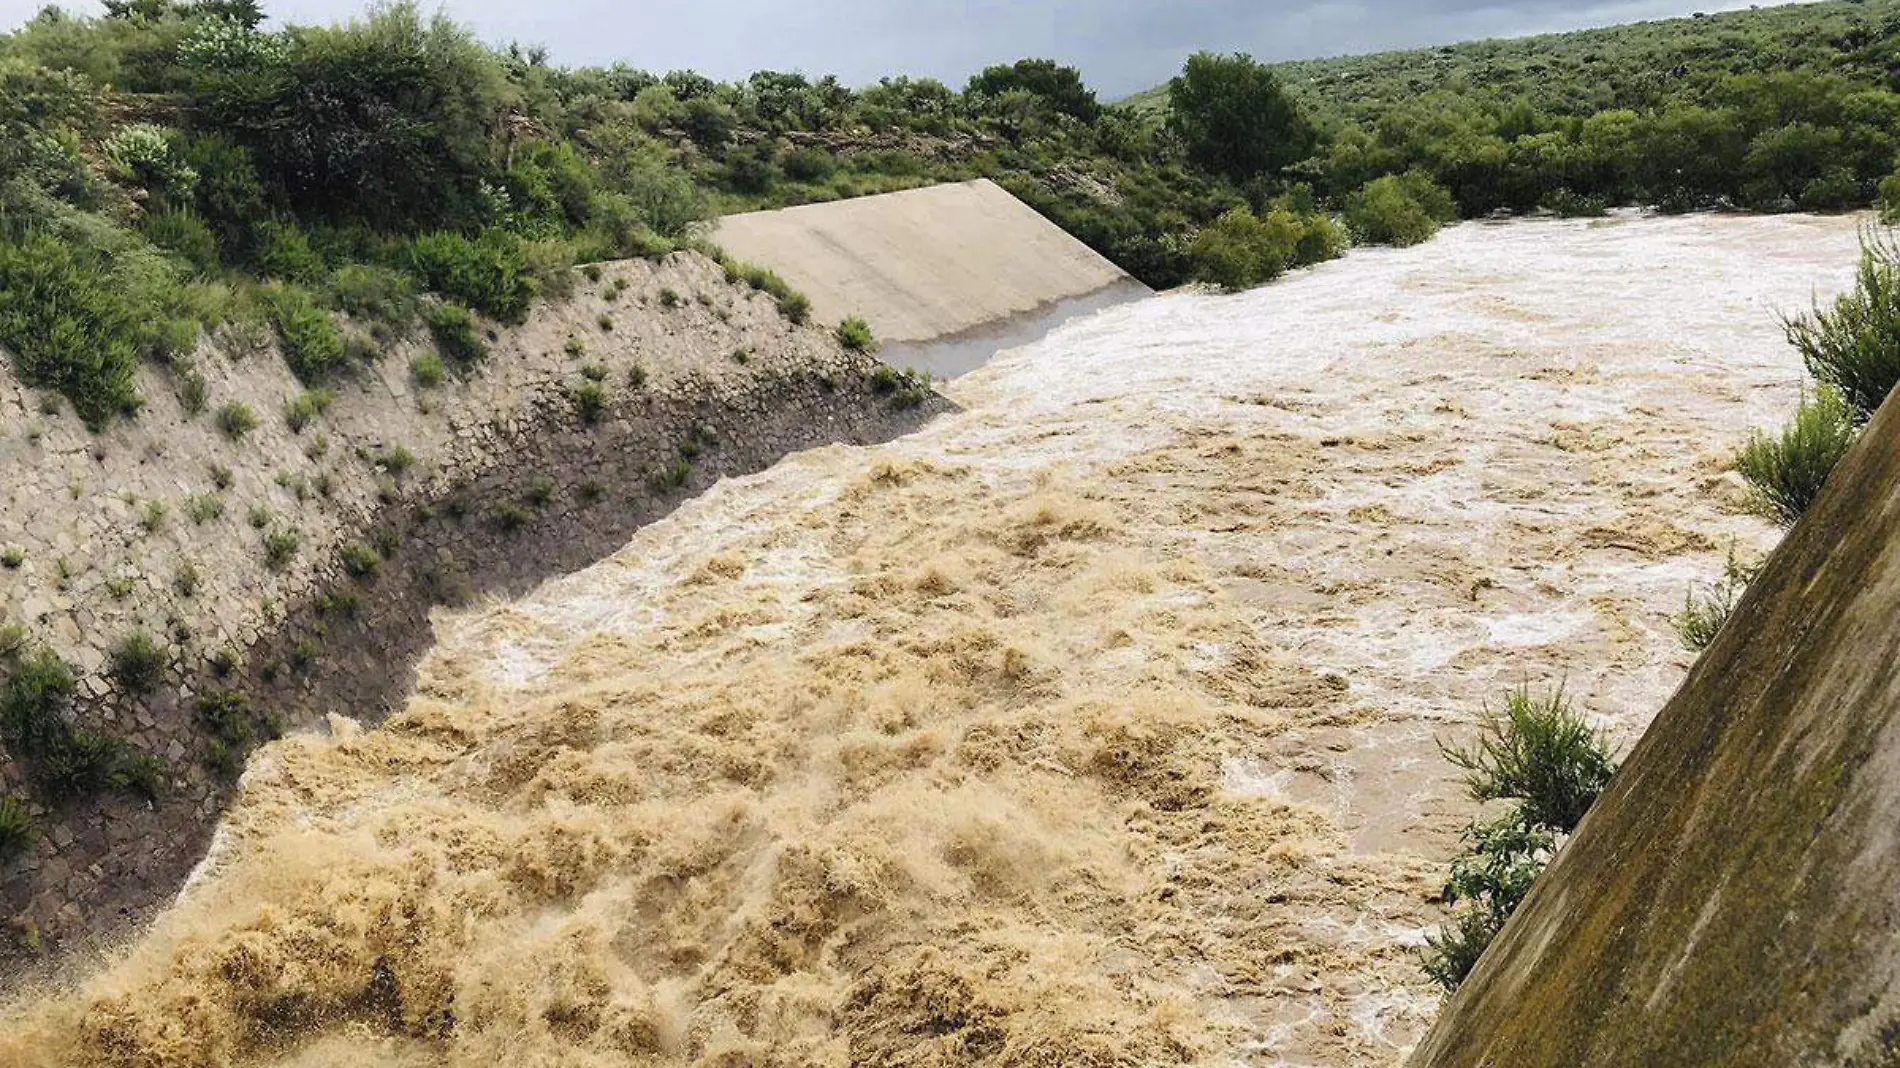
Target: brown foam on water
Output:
[(1091, 727), (977, 825)]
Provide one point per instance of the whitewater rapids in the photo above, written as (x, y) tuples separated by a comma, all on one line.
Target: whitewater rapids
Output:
[(1091, 726)]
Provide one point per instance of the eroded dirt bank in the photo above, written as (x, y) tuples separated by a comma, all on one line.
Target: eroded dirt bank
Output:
[(1090, 726)]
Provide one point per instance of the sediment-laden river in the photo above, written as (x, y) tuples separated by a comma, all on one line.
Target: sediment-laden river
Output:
[(1094, 725)]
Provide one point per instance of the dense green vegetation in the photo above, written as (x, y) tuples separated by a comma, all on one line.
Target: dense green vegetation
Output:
[(175, 168), (1767, 109)]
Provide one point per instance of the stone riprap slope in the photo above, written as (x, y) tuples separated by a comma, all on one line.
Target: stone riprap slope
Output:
[(945, 275), (398, 498)]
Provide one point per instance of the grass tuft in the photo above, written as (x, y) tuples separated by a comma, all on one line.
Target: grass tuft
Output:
[(1787, 470)]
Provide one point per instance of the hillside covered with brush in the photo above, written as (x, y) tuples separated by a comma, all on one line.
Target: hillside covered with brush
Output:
[(173, 169)]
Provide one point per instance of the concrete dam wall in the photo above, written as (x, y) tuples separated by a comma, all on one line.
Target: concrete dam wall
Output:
[(946, 276), (1733, 899)]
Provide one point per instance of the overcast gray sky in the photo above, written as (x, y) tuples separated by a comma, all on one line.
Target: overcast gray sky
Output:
[(1121, 45)]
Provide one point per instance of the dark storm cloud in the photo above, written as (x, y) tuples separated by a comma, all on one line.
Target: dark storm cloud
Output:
[(1121, 45)]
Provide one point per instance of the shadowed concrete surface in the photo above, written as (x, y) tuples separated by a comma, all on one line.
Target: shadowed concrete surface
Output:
[(946, 276), (1733, 899)]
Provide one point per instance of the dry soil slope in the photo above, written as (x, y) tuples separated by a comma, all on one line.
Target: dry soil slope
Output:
[(1733, 899), (947, 274)]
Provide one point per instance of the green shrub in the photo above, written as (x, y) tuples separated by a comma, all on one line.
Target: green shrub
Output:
[(1887, 200), (312, 344), (671, 477), (138, 773), (1239, 250), (70, 327), (284, 253), (138, 662), (1702, 618), (340, 604), (490, 274), (63, 760), (397, 460), (510, 517), (1399, 209), (1539, 753), (236, 419), (855, 334), (280, 547), (1854, 345), (906, 389), (193, 392), (152, 519), (376, 294), (590, 401), (303, 409), (202, 508), (796, 308), (387, 541), (669, 298), (452, 327), (1836, 189), (1234, 118), (606, 323), (361, 561), (1493, 874), (16, 829), (12, 557), (1787, 470), (142, 153), (1544, 758), (186, 579), (227, 715), (427, 370), (37, 689), (183, 233)]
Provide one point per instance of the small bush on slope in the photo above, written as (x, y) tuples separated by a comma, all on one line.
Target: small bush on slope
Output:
[(855, 334), (312, 344), (1541, 755), (453, 329), (139, 662), (1854, 345), (63, 760), (1702, 618), (1787, 470), (16, 829)]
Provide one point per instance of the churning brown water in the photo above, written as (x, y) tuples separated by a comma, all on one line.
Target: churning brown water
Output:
[(1092, 726)]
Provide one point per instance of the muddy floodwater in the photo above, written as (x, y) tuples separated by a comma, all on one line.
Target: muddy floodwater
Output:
[(1092, 726)]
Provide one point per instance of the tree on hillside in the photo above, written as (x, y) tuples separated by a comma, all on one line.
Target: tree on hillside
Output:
[(1059, 88), (1234, 117)]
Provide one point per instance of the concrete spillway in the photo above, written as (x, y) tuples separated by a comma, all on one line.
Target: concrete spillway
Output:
[(1734, 898), (947, 276)]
